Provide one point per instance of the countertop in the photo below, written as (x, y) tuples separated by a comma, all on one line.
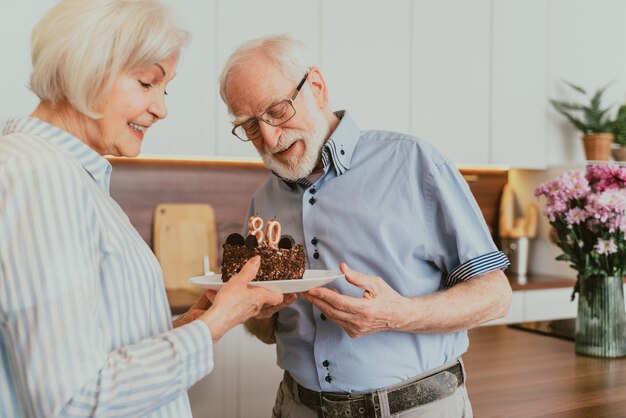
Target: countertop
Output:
[(180, 300), (514, 373)]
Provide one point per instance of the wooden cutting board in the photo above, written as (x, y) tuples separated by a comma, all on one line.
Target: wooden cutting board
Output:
[(183, 234)]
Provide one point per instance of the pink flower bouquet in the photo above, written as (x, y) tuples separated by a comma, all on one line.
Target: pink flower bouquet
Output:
[(588, 214)]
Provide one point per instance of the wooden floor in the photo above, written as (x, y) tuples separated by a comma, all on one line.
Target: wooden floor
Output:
[(514, 373)]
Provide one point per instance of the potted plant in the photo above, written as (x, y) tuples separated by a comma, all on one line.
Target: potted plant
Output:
[(592, 120), (619, 135)]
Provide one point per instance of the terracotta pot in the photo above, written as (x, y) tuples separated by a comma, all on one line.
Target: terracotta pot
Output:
[(598, 146), (619, 154)]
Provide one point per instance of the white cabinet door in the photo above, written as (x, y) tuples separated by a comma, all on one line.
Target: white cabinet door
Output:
[(518, 83), (259, 377), (549, 304), (450, 77), (365, 61), (242, 20), (217, 394), (244, 381)]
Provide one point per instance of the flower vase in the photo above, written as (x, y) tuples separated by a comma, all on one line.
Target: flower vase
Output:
[(601, 320)]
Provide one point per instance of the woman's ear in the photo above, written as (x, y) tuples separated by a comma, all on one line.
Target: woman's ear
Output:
[(318, 87)]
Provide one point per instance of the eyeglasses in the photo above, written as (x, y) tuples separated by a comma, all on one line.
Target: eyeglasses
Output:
[(275, 115)]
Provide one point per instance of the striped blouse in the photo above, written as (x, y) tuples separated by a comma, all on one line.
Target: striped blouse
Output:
[(85, 328)]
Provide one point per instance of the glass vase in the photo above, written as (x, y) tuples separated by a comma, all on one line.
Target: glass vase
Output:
[(601, 320)]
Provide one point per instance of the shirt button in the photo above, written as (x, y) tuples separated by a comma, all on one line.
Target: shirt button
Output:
[(314, 241), (325, 363), (323, 317), (312, 191), (316, 255), (312, 200), (328, 378)]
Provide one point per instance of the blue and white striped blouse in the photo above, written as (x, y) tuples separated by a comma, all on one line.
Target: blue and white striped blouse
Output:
[(85, 328)]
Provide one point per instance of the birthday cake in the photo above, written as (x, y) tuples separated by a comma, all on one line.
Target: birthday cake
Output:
[(281, 257)]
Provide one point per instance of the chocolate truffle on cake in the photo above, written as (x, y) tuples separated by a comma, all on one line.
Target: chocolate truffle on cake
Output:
[(281, 258)]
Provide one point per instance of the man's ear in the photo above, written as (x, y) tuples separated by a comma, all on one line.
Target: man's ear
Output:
[(318, 87)]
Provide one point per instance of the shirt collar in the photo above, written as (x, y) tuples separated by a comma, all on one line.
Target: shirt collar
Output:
[(95, 164), (338, 149)]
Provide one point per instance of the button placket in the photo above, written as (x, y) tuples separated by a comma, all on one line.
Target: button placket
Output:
[(311, 190)]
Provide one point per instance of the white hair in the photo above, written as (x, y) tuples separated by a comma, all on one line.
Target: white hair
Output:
[(80, 46), (289, 54)]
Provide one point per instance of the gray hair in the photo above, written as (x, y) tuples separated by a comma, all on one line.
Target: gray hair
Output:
[(80, 46), (289, 54)]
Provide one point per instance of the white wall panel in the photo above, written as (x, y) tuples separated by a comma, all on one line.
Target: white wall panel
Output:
[(18, 19), (189, 128), (587, 46), (519, 83), (366, 61), (450, 77), (242, 20)]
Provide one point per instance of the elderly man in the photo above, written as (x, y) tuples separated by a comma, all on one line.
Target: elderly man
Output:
[(387, 341)]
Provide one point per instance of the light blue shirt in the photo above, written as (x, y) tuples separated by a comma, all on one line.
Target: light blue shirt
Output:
[(389, 205), (85, 328)]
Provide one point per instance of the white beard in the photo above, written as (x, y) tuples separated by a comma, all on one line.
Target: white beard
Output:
[(298, 167)]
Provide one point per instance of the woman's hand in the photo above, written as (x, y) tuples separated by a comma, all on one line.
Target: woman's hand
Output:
[(236, 302), (197, 309)]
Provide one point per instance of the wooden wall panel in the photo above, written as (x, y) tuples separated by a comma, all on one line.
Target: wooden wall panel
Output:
[(138, 185)]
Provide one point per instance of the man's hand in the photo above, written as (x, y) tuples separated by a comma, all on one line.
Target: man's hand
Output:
[(381, 308), (262, 325), (269, 310)]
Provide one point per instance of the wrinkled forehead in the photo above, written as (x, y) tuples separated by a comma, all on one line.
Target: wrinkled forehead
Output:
[(255, 84)]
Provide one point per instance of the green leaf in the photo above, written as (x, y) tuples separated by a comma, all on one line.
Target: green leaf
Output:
[(575, 87), (587, 118)]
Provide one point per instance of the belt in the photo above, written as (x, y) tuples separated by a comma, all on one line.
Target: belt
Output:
[(368, 405)]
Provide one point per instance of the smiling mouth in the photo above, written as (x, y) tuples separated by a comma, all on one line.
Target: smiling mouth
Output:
[(286, 149), (137, 128)]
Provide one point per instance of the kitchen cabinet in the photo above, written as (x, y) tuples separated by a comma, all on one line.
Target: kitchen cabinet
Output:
[(518, 111), (366, 61), (450, 77), (243, 383), (535, 305), (549, 304), (473, 78)]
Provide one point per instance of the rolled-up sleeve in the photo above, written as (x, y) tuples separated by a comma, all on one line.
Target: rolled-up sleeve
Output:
[(461, 244)]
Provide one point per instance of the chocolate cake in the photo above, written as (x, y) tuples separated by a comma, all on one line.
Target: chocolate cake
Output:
[(282, 262)]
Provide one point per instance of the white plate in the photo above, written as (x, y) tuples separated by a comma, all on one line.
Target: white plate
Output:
[(311, 279)]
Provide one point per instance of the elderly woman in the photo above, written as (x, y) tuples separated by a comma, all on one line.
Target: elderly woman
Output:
[(85, 328)]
